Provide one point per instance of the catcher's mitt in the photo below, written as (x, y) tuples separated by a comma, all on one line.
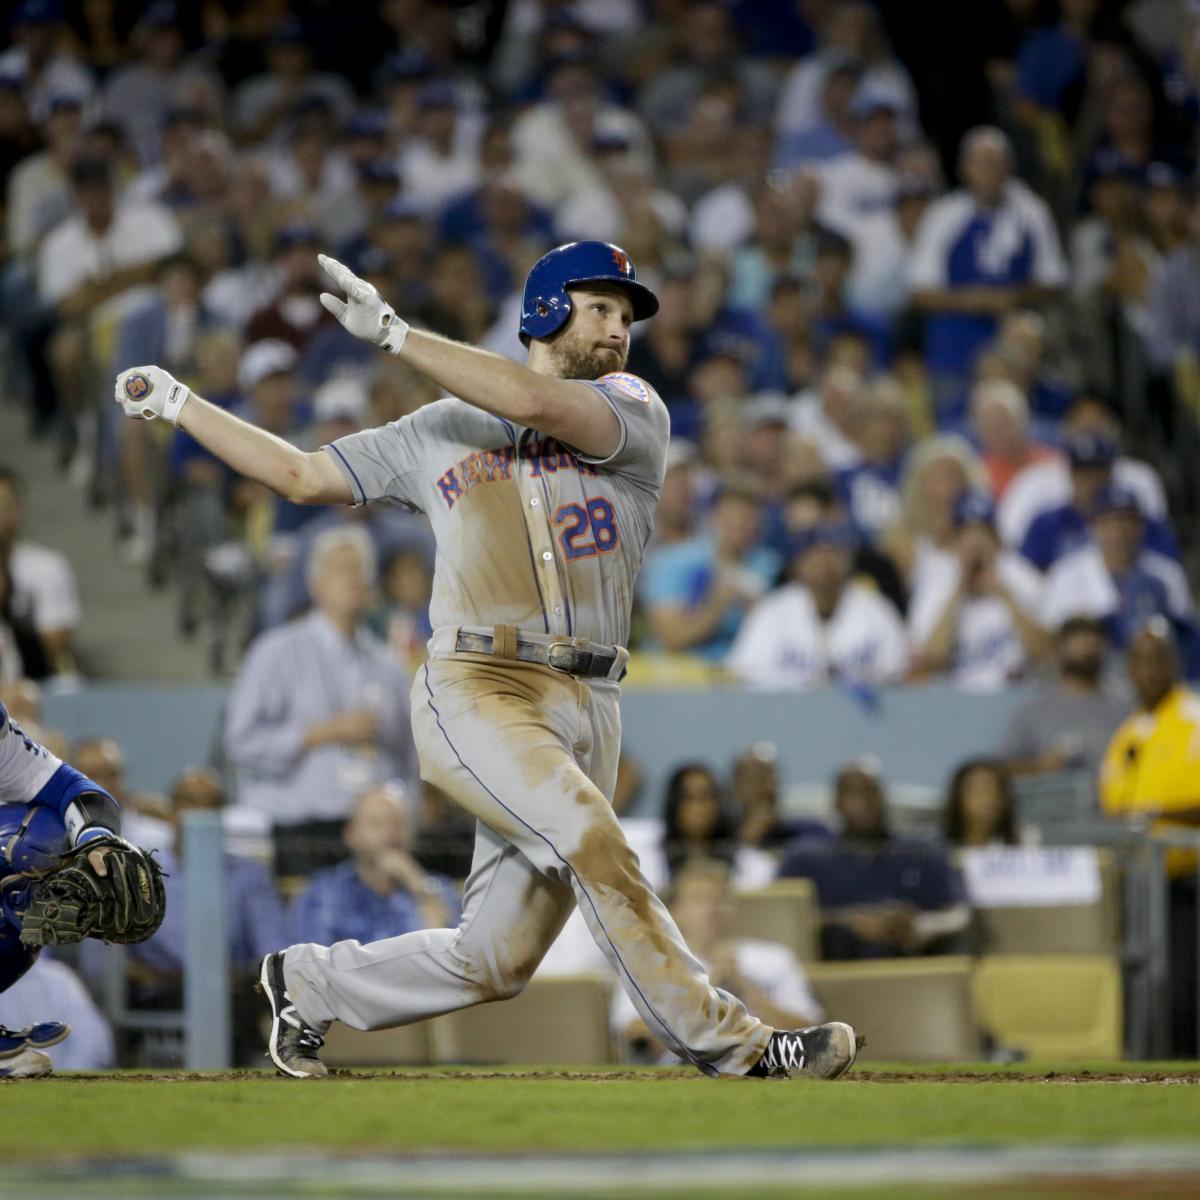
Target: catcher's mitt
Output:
[(106, 889)]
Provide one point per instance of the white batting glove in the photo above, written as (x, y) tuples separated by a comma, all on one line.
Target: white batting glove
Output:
[(364, 312), (149, 392)]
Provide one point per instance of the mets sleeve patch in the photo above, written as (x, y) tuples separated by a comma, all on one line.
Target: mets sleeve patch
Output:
[(629, 385)]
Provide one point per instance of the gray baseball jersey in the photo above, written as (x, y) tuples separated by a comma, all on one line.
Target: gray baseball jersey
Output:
[(529, 532)]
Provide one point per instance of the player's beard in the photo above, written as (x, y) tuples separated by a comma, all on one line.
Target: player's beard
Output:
[(573, 358)]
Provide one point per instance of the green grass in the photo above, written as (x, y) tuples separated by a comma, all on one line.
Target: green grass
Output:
[(442, 1110)]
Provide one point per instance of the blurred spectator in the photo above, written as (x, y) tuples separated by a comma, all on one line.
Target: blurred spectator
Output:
[(380, 891), (938, 472), (675, 520), (814, 503), (445, 838), (295, 313), (870, 489), (42, 593), (14, 662), (265, 105), (139, 96), (976, 615), (1049, 485), (697, 823), (822, 626), (831, 134), (441, 158), (550, 138), (696, 593), (50, 989), (39, 188), (91, 269), (1173, 330), (859, 190), (253, 912), (761, 826), (1151, 772), (1000, 425), (1066, 723), (881, 895), (706, 49), (165, 330), (980, 253), (980, 809), (319, 711), (831, 417), (1056, 532), (1111, 258), (784, 242), (401, 619), (835, 314), (146, 821), (38, 59), (766, 976), (1116, 576), (851, 32)]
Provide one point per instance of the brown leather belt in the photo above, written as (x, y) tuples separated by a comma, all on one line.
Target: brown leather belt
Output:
[(573, 656)]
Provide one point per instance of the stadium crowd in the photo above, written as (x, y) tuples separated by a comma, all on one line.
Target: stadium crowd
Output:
[(923, 327)]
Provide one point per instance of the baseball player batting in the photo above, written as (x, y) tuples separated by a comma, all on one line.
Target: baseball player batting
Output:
[(541, 483), (65, 874)]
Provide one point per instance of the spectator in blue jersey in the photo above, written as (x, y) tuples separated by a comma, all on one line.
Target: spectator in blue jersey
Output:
[(1058, 531), (1118, 577), (835, 314), (832, 133), (870, 489), (881, 896), (980, 252), (380, 891), (696, 593)]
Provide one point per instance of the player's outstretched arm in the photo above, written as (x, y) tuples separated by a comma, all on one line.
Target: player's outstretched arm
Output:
[(563, 408), (147, 393)]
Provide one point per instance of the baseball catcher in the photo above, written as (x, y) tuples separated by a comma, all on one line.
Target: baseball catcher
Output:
[(65, 874)]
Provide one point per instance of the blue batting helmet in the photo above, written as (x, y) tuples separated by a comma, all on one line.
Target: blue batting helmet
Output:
[(545, 306)]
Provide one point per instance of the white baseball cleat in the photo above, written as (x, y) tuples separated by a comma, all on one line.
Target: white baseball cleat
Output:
[(25, 1064), (818, 1052)]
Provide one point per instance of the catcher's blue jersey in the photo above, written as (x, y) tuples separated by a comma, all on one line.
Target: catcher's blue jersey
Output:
[(39, 822)]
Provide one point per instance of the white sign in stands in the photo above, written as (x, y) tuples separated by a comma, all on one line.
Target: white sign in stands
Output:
[(1013, 876)]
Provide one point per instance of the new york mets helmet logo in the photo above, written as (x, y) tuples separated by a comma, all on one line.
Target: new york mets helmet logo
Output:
[(138, 386), (622, 261)]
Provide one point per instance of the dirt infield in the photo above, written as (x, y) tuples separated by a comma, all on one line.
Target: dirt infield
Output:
[(645, 1076)]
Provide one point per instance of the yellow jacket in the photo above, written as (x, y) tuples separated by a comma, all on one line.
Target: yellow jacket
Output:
[(1153, 764)]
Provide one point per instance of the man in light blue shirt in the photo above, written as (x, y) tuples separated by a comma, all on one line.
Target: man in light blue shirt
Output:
[(320, 711), (381, 891), (696, 593)]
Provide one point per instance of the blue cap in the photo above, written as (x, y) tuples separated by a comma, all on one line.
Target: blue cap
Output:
[(38, 12), (1107, 163), (872, 98), (546, 304), (1164, 175), (1115, 499), (406, 66), (1091, 450), (62, 101), (974, 507), (839, 534), (403, 209), (380, 170), (291, 236), (437, 93), (367, 123)]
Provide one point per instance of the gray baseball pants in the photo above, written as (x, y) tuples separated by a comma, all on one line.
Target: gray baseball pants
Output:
[(532, 754)]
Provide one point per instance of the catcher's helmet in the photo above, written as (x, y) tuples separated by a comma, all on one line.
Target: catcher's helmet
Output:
[(546, 306)]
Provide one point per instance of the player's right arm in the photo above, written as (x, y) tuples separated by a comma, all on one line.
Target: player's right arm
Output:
[(296, 475)]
